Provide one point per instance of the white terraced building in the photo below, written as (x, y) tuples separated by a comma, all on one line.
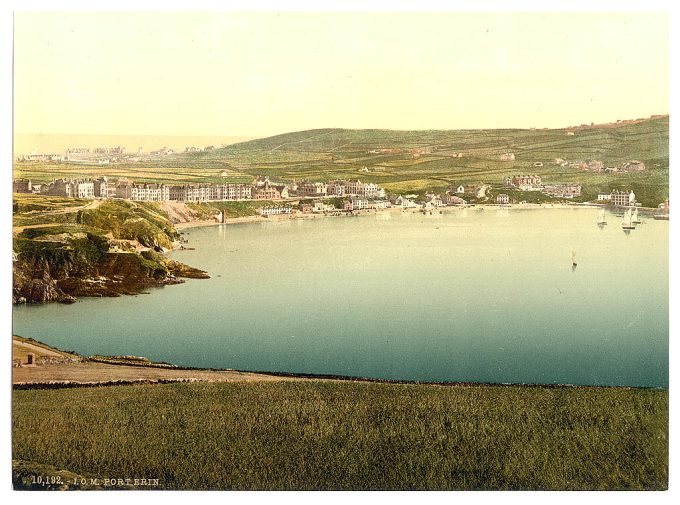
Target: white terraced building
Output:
[(562, 190), (149, 192), (272, 211), (622, 198)]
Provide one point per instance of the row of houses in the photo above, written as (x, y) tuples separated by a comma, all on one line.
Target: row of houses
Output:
[(430, 200), (194, 149), (102, 187), (353, 203), (42, 157), (598, 166), (534, 183), (260, 189), (274, 211), (96, 150), (351, 187), (562, 190), (524, 182)]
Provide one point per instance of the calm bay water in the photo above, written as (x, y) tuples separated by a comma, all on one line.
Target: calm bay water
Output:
[(470, 295)]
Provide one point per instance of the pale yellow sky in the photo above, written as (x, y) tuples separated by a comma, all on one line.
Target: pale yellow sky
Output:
[(258, 74)]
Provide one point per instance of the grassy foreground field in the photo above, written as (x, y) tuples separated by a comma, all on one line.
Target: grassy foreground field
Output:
[(310, 434)]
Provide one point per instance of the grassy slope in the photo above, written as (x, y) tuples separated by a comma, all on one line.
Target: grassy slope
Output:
[(141, 221), (336, 153), (325, 435), (324, 154), (207, 210)]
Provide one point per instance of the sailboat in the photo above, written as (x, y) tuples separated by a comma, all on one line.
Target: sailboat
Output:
[(601, 221), (636, 219), (573, 260), (627, 223)]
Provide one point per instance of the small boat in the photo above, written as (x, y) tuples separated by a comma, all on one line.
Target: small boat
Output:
[(601, 221), (627, 223), (573, 260), (661, 217), (636, 219)]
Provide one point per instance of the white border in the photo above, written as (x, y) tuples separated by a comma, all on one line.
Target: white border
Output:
[(319, 5)]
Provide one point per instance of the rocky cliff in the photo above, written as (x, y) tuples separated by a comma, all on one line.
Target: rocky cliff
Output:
[(108, 251), (63, 271)]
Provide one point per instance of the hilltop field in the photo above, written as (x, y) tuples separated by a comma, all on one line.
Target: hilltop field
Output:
[(414, 161)]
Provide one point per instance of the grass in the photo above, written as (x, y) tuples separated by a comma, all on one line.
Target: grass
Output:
[(79, 254), (207, 210), (41, 203), (349, 435), (141, 221)]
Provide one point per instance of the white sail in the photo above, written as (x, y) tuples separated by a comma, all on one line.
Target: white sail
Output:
[(601, 219), (635, 216), (627, 219)]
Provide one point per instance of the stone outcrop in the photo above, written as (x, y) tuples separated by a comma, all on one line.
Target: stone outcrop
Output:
[(61, 272)]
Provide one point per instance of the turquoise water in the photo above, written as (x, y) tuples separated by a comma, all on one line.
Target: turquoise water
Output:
[(471, 295)]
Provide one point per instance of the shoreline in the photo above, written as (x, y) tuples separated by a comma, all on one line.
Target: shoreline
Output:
[(445, 209), (70, 370)]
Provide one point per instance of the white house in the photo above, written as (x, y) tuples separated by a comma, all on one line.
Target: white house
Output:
[(358, 203), (403, 202), (272, 211), (432, 201), (622, 198)]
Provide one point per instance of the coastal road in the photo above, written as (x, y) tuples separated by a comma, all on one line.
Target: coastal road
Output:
[(94, 373), (38, 349)]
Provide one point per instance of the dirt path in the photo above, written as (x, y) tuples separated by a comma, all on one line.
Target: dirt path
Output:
[(38, 348), (19, 229), (89, 372)]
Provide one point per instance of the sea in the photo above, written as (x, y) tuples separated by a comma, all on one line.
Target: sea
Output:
[(468, 295)]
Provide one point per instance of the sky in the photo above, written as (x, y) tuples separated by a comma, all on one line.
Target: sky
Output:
[(263, 73)]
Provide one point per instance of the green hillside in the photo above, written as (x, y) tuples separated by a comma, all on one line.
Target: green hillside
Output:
[(387, 157)]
